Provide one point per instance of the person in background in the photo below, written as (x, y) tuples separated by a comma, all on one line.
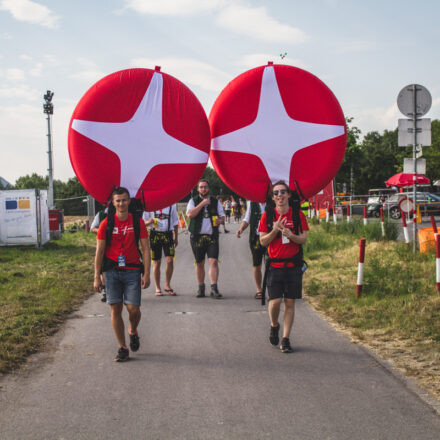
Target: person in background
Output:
[(164, 236), (254, 211), (206, 214)]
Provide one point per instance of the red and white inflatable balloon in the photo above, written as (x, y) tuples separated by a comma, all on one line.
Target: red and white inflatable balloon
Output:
[(141, 129), (276, 122)]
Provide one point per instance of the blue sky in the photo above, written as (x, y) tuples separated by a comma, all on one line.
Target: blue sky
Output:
[(365, 51)]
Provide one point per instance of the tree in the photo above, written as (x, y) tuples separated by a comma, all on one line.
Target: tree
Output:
[(432, 153), (32, 181), (353, 159)]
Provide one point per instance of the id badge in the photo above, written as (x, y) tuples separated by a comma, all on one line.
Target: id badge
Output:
[(121, 261), (284, 239)]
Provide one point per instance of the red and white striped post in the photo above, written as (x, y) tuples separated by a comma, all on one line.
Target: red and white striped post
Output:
[(382, 224), (437, 262), (434, 227), (335, 217), (348, 214), (405, 229), (365, 216), (360, 278)]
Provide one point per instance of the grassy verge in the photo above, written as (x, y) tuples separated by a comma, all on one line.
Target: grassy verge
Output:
[(398, 313), (38, 288)]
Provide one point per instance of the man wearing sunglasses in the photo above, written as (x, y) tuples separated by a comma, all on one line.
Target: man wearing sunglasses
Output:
[(284, 279)]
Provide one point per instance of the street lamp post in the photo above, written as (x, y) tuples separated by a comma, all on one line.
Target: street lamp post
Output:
[(48, 110)]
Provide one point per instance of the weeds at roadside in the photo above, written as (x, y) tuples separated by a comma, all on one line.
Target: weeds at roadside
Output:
[(399, 308), (39, 287)]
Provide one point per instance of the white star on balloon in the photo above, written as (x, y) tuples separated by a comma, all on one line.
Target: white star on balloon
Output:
[(274, 135), (141, 143)]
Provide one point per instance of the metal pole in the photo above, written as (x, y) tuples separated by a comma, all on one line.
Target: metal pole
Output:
[(415, 165), (90, 209), (50, 169)]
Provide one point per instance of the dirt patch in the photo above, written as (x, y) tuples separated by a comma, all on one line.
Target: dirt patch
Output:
[(72, 219)]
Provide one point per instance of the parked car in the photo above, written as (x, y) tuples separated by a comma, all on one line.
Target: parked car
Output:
[(429, 204), (374, 203)]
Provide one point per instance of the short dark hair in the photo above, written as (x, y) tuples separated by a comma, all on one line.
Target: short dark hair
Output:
[(202, 180), (119, 190), (280, 182)]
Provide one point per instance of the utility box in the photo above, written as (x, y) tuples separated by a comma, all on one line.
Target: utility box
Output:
[(56, 223), (24, 217)]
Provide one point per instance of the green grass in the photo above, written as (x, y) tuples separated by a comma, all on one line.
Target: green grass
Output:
[(38, 288)]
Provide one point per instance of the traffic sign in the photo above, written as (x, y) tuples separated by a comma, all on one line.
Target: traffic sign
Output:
[(405, 136), (408, 166), (406, 205), (405, 100)]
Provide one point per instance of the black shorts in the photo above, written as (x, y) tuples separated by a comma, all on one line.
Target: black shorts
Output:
[(227, 213), (202, 245), (257, 251), (284, 282), (161, 240)]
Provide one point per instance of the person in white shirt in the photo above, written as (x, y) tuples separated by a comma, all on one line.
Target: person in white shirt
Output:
[(254, 211), (164, 236), (206, 214)]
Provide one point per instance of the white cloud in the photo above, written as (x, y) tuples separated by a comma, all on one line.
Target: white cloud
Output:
[(189, 71), (24, 92), (375, 118), (37, 69), (12, 74), (24, 128), (30, 12), (5, 35), (90, 76), (172, 7), (260, 59), (257, 23), (232, 15), (357, 46), (91, 72), (25, 57)]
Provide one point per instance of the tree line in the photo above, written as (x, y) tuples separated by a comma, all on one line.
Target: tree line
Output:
[(368, 163)]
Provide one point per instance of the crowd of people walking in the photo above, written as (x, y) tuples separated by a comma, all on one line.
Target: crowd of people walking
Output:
[(122, 268)]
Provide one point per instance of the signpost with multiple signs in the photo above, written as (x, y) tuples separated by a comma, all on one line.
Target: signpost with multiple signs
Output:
[(414, 101)]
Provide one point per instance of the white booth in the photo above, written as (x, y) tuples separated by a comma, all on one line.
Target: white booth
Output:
[(24, 217)]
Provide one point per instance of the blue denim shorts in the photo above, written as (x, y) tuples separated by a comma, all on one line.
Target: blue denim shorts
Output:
[(123, 285)]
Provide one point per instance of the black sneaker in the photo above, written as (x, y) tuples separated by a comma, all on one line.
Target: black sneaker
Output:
[(215, 294), (123, 355), (285, 346), (103, 296), (134, 342), (273, 337), (226, 231), (201, 292)]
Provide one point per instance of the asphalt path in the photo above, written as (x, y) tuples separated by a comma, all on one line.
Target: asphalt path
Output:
[(206, 370)]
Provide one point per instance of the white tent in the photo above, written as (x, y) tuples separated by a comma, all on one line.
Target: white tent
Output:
[(24, 217)]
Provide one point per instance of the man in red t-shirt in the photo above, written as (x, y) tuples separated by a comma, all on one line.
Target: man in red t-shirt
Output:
[(284, 279), (122, 270)]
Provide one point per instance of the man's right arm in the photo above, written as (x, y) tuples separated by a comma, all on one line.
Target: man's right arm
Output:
[(99, 256), (193, 212)]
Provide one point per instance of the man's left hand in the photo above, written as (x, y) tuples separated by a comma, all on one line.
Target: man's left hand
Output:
[(145, 281)]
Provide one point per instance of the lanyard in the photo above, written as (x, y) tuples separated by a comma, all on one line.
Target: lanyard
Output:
[(123, 234)]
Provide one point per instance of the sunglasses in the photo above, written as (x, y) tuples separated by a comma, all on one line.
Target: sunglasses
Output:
[(281, 191)]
